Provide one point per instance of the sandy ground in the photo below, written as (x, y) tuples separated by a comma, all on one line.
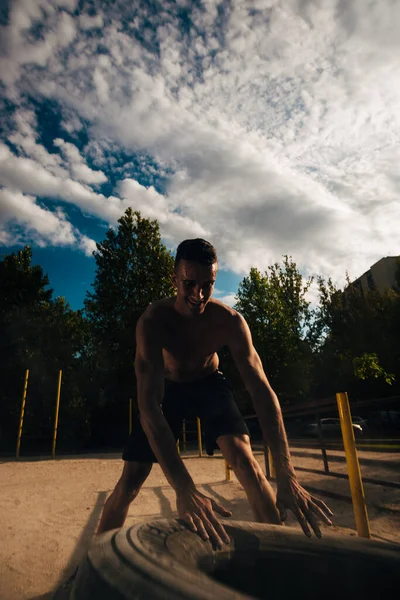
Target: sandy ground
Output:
[(49, 509)]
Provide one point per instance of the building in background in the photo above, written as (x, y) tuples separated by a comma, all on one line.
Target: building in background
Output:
[(381, 276)]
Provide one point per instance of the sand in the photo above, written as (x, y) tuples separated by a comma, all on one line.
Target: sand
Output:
[(49, 509)]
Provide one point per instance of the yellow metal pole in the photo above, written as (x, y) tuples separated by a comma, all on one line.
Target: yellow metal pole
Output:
[(353, 467), (21, 418), (53, 452), (184, 434), (228, 472), (130, 416), (199, 437), (178, 447)]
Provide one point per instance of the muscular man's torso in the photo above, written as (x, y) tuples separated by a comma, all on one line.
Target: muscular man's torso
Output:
[(190, 345)]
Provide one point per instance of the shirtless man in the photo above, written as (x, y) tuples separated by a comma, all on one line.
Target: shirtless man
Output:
[(177, 374)]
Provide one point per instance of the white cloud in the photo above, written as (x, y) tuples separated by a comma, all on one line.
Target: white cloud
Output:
[(155, 206), (78, 168), (7, 238), (24, 138), (280, 123), (87, 245), (71, 122), (87, 22), (42, 226), (312, 294), (26, 176), (30, 177), (61, 31), (70, 5)]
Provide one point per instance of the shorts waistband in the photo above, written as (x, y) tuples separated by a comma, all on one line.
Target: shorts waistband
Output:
[(194, 381)]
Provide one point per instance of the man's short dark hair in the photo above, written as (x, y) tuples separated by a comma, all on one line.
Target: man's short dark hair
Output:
[(197, 250)]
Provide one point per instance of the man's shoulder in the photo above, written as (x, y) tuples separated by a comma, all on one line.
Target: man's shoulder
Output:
[(223, 311), (157, 310), (161, 305)]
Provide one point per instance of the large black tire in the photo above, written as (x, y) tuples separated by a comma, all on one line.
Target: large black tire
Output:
[(163, 560)]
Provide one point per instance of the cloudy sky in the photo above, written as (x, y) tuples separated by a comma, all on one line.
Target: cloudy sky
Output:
[(268, 127)]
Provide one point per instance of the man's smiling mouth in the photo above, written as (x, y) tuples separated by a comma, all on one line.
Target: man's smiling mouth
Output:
[(194, 303)]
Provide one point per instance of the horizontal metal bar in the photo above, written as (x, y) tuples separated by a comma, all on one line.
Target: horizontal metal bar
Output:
[(393, 484)]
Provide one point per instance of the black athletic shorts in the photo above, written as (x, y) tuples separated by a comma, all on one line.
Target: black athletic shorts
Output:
[(210, 399)]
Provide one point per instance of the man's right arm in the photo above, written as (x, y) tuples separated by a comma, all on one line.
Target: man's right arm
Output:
[(195, 508), (149, 369)]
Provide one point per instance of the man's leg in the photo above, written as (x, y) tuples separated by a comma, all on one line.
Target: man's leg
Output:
[(237, 452), (116, 507)]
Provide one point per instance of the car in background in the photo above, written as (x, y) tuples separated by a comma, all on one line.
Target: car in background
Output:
[(360, 421), (331, 427)]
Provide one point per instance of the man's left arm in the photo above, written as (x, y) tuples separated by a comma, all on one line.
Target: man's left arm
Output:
[(290, 494)]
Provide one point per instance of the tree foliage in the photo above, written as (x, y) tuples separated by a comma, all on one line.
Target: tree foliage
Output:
[(367, 366), (358, 349), (349, 342), (133, 269), (278, 313), (39, 334)]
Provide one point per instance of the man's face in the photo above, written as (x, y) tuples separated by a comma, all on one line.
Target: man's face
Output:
[(195, 284)]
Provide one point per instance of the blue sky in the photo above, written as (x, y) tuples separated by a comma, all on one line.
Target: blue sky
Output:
[(268, 127)]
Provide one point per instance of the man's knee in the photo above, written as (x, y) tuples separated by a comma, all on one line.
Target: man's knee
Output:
[(133, 476)]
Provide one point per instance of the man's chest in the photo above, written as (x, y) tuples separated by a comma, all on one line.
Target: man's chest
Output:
[(188, 342)]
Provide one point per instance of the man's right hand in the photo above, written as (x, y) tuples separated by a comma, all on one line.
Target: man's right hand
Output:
[(197, 511)]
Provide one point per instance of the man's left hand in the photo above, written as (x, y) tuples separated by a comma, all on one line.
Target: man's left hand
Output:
[(306, 508)]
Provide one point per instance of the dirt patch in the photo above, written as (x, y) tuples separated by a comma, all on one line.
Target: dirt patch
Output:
[(49, 510)]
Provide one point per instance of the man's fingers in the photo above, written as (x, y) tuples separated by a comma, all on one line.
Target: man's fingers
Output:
[(217, 525), (302, 520), (201, 530), (306, 510), (312, 519), (317, 510), (219, 529), (214, 532), (221, 510), (207, 527), (322, 505), (201, 525), (200, 517), (189, 522)]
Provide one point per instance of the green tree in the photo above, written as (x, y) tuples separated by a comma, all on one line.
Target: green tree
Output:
[(397, 275), (275, 307), (63, 334), (133, 270), (358, 348), (367, 366), (39, 334), (21, 284), (22, 292)]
